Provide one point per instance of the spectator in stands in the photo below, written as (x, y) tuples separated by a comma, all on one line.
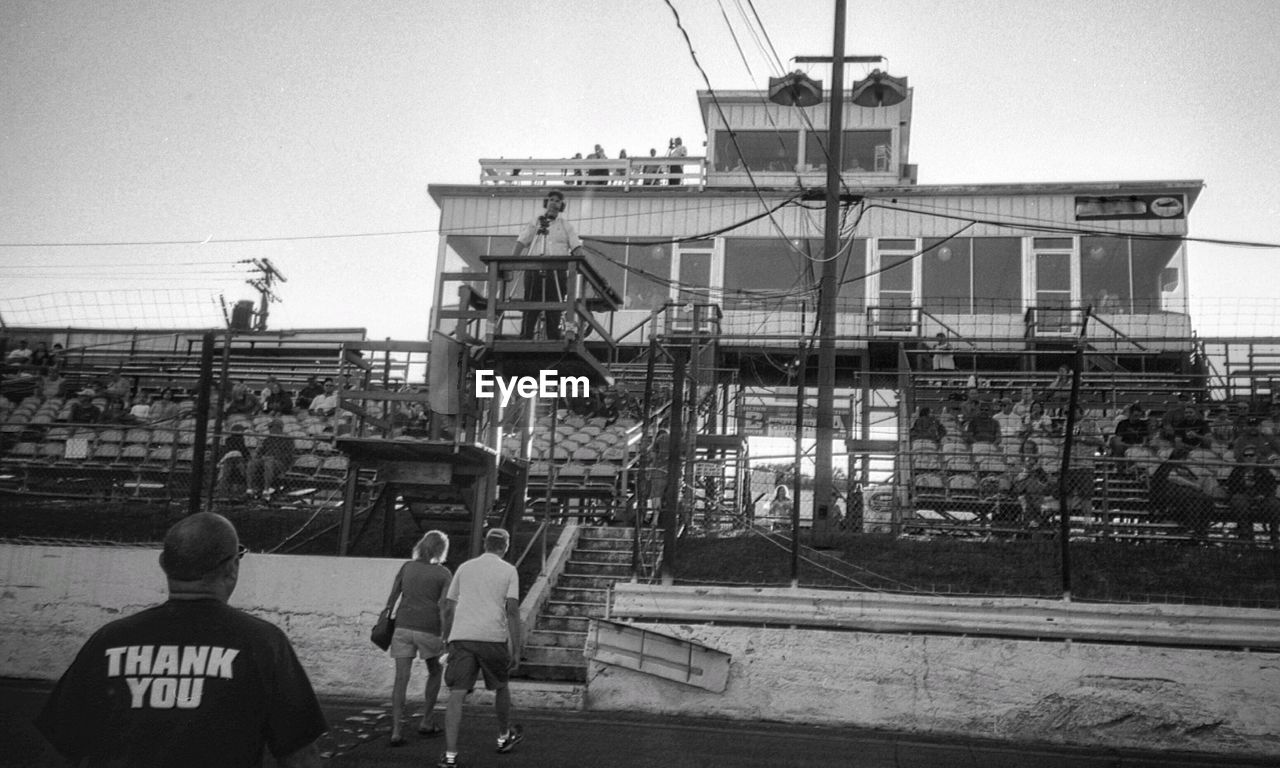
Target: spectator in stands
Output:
[(84, 411), (163, 408), (969, 405), (926, 427), (139, 408), (54, 384), (326, 404), (1022, 403), (1037, 423), (1087, 437), (57, 358), (276, 402), (19, 355), (119, 388), (1251, 436), (266, 390), (1182, 424), (943, 357), (1253, 496), (242, 400), (1130, 431), (274, 457), (310, 391), (982, 428), (1010, 422), (1031, 485), (1179, 494), (1060, 388), (116, 413), (41, 358), (1082, 474), (231, 467)]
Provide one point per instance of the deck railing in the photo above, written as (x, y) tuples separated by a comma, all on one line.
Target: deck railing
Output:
[(625, 172)]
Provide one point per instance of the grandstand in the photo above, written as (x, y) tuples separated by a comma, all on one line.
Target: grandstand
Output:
[(691, 313)]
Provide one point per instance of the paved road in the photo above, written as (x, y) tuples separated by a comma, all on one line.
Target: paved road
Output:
[(359, 731)]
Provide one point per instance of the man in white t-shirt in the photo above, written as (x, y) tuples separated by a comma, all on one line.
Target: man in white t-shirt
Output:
[(481, 625)]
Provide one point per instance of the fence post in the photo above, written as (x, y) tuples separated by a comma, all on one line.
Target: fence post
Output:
[(202, 424)]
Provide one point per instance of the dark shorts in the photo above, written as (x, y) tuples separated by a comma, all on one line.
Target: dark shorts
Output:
[(469, 658)]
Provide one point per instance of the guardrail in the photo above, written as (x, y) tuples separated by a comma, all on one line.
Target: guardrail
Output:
[(1172, 625)]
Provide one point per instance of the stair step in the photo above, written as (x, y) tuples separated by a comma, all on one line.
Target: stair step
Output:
[(554, 655), (582, 581), (601, 556), (552, 638), (562, 672), (566, 623), (571, 594), (617, 571), (567, 608)]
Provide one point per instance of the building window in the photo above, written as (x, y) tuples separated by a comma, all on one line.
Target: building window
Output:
[(1105, 275), (757, 151), (865, 151), (762, 273), (997, 275), (643, 291), (947, 276), (1155, 271)]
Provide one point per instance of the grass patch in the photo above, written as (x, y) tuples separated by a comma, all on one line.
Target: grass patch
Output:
[(1108, 571)]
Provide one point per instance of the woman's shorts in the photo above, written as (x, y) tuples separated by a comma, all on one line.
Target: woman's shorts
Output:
[(407, 643), (468, 658)]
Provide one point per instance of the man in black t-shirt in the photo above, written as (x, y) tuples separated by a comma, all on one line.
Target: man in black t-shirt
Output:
[(190, 682)]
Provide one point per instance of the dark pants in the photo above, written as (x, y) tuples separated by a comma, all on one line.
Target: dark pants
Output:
[(543, 285)]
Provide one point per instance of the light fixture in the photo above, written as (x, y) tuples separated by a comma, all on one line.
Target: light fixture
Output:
[(795, 90), (879, 89), (944, 254)]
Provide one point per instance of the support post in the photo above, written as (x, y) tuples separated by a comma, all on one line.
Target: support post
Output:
[(196, 486)]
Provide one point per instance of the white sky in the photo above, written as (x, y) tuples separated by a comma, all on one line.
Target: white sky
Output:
[(167, 120)]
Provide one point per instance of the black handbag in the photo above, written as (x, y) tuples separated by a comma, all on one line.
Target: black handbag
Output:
[(383, 630)]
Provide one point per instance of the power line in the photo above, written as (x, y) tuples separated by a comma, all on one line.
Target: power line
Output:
[(218, 241)]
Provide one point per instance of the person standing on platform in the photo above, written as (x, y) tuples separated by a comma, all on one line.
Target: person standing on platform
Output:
[(482, 631), (550, 235), (191, 682)]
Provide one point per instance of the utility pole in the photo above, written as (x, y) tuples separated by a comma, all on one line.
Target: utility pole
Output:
[(827, 286), (263, 284)]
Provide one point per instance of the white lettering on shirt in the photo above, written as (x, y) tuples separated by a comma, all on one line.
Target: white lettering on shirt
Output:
[(169, 676)]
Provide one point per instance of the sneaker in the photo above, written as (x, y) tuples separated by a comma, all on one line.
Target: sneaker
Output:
[(510, 739), (448, 762)]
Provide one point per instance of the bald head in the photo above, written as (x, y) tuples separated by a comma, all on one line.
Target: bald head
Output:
[(196, 545)]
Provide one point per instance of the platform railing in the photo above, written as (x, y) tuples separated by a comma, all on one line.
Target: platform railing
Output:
[(628, 173)]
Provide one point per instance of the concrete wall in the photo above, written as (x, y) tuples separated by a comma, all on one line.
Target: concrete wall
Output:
[(53, 598), (1074, 693), (1086, 693)]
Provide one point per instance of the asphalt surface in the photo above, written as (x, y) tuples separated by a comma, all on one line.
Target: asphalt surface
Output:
[(359, 735)]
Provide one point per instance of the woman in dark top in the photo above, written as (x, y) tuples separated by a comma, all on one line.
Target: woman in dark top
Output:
[(420, 587)]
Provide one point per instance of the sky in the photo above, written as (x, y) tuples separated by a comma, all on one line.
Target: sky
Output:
[(308, 132)]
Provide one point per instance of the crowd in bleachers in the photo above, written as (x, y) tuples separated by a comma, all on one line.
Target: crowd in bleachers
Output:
[(1175, 464)]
